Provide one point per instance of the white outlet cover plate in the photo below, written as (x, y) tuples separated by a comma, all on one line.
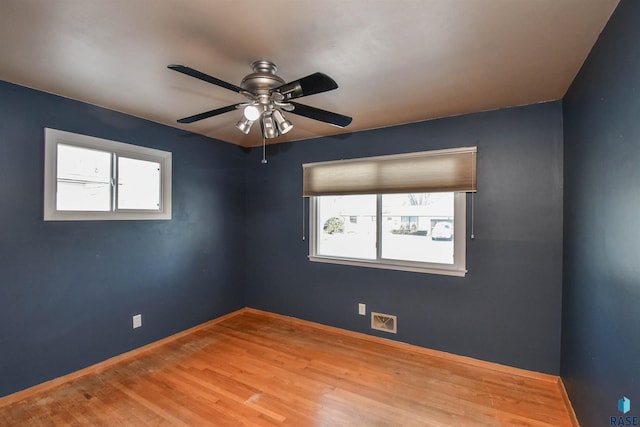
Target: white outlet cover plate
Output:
[(137, 321), (362, 309)]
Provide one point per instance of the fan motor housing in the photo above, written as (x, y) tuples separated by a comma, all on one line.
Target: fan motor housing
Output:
[(263, 79)]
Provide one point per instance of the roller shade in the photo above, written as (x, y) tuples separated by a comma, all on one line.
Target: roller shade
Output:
[(421, 172)]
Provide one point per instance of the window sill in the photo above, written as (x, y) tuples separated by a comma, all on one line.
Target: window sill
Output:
[(106, 216), (413, 267)]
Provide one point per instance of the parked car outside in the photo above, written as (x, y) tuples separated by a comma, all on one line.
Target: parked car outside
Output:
[(442, 231)]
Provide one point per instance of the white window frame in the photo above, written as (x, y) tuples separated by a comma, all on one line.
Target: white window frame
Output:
[(54, 137), (458, 268)]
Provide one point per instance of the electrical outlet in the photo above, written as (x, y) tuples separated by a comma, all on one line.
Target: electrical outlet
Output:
[(362, 309), (137, 321)]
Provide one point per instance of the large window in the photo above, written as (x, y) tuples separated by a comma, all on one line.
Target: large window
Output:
[(404, 212), (89, 178), (411, 231)]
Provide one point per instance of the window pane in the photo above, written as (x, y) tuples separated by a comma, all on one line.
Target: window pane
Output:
[(347, 226), (138, 184), (83, 179), (418, 227)]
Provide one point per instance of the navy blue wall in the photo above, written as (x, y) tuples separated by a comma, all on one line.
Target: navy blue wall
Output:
[(507, 308), (68, 290), (601, 300)]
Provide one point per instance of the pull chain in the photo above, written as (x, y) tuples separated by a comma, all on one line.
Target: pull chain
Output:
[(264, 151), (303, 218), (473, 216)]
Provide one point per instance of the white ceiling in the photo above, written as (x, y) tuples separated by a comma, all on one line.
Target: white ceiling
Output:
[(395, 61)]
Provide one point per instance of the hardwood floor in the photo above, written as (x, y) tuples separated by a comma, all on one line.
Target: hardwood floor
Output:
[(257, 369)]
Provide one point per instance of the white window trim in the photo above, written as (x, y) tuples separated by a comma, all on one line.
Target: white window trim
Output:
[(53, 137), (458, 268)]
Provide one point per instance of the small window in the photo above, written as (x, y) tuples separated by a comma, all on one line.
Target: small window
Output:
[(422, 232), (89, 178)]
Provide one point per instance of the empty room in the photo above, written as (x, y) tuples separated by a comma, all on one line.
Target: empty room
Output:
[(320, 213)]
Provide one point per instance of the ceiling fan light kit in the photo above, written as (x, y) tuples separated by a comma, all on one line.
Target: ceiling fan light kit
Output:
[(251, 112), (244, 125), (269, 129), (268, 95), (283, 124)]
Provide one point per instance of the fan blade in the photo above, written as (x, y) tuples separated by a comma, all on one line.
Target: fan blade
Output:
[(208, 114), (321, 115), (202, 76), (312, 84)]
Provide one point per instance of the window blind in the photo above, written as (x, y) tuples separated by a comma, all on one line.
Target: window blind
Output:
[(422, 172)]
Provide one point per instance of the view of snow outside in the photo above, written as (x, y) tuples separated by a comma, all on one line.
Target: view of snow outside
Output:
[(414, 227), (84, 181), (84, 178), (138, 184)]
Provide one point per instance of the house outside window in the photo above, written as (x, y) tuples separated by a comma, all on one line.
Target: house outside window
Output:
[(413, 231)]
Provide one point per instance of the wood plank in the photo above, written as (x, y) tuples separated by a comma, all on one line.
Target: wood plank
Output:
[(567, 403), (408, 347), (260, 369), (101, 366)]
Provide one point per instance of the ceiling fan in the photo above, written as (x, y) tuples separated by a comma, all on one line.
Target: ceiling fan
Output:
[(267, 97)]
